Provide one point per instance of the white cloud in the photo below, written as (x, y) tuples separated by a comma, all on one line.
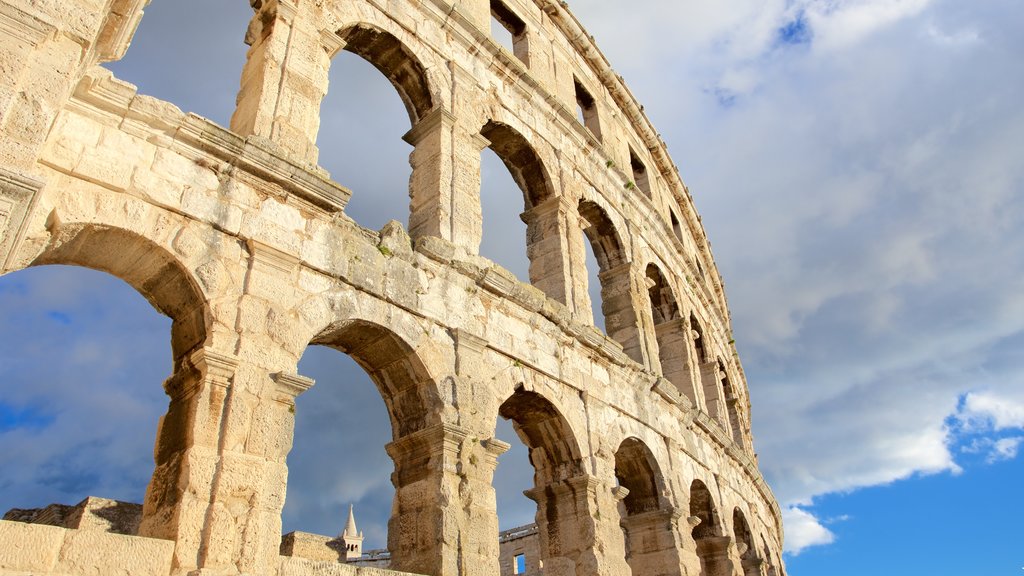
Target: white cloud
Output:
[(1005, 449), (803, 530), (992, 409), (838, 24)]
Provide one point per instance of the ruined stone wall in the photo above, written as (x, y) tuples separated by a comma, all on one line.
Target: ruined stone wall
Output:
[(640, 438)]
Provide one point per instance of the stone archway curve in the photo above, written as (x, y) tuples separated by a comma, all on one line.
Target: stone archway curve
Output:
[(158, 274), (396, 61)]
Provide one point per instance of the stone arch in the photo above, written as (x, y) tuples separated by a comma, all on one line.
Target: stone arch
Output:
[(522, 161), (646, 517), (733, 422), (712, 545), (669, 332), (177, 497), (544, 212), (770, 569), (749, 560), (409, 391), (706, 369), (414, 407), (614, 274), (153, 271), (562, 488), (396, 62)]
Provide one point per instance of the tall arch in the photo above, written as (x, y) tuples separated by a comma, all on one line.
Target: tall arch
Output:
[(707, 371), (646, 522), (712, 545), (669, 332), (749, 560), (733, 422), (413, 404), (614, 275), (396, 62), (562, 489), (181, 491), (543, 211)]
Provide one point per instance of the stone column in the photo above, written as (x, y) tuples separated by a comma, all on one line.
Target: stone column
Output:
[(619, 305), (672, 348), (431, 208), (285, 77), (715, 557), (179, 496), (574, 517), (654, 543), (443, 520), (547, 246), (714, 400)]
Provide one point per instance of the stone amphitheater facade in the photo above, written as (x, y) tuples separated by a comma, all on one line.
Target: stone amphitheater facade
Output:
[(640, 436)]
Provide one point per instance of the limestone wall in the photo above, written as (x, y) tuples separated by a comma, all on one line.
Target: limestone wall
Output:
[(640, 437)]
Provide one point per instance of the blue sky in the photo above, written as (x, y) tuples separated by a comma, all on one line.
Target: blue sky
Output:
[(858, 166)]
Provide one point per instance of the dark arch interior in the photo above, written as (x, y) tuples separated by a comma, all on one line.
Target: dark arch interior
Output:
[(396, 62), (743, 535), (703, 506), (698, 339), (553, 452), (663, 302), (635, 472), (521, 160), (603, 237), (393, 366)]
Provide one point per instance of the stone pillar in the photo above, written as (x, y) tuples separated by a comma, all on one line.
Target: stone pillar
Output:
[(715, 558), (619, 305), (443, 520), (579, 287), (653, 542), (711, 380), (431, 207), (179, 496), (672, 348), (285, 77), (547, 246), (575, 518)]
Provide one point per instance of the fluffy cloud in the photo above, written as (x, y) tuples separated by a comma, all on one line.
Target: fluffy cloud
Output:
[(803, 530)]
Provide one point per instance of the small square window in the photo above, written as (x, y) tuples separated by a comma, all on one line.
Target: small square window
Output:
[(586, 110), (640, 178), (510, 31)]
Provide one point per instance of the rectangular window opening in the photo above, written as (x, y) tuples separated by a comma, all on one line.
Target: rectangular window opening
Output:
[(509, 30), (675, 226), (519, 566), (586, 109), (640, 178)]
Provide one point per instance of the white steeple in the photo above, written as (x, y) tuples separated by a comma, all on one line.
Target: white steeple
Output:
[(352, 538)]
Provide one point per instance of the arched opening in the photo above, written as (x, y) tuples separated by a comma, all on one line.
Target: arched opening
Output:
[(191, 75), (770, 569), (670, 332), (749, 561), (646, 523), (338, 460), (614, 277), (362, 133), (560, 486), (82, 357), (712, 546), (734, 423), (707, 370), (541, 209), (409, 396), (164, 283)]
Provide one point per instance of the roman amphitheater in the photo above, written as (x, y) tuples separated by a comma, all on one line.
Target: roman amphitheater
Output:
[(639, 435)]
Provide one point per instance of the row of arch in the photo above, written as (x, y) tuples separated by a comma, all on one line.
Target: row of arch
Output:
[(678, 350), (413, 395)]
